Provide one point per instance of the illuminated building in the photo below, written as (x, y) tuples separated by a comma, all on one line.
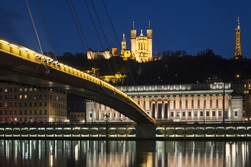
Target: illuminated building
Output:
[(184, 102), (237, 53), (28, 104), (117, 78), (92, 55), (141, 46)]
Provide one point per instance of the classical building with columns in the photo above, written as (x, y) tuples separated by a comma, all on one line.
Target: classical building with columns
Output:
[(182, 102)]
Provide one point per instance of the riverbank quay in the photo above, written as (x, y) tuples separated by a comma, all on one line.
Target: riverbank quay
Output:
[(129, 131)]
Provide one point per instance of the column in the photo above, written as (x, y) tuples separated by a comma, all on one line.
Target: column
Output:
[(162, 109), (156, 108)]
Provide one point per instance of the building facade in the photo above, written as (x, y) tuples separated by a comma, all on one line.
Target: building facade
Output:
[(28, 104), (184, 102), (141, 46)]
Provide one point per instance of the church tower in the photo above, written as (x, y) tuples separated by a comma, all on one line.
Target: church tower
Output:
[(123, 43), (149, 33), (237, 53), (133, 40)]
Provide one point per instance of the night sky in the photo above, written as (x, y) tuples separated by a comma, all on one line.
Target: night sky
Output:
[(190, 25)]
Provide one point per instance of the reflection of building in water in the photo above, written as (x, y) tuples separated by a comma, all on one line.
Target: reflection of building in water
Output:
[(91, 153), (184, 102), (24, 104)]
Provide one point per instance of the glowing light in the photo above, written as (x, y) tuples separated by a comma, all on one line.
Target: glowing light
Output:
[(4, 42), (23, 48), (14, 46)]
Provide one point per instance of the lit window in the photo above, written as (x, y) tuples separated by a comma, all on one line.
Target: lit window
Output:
[(20, 89), (5, 90), (20, 96)]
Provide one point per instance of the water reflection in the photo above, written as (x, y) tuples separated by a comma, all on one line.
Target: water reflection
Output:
[(100, 153)]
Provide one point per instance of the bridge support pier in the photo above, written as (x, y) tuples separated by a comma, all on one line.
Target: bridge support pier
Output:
[(146, 131)]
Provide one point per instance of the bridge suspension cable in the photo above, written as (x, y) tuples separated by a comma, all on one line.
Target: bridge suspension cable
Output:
[(77, 22), (48, 34), (47, 70), (117, 39)]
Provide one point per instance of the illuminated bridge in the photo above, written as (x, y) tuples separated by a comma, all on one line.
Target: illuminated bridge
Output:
[(22, 65)]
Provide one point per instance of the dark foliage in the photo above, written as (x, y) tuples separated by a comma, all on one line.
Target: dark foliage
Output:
[(172, 68)]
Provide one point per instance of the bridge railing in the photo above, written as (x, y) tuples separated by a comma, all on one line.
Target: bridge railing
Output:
[(30, 55)]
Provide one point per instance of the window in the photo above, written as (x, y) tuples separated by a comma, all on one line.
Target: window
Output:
[(235, 113), (201, 113), (195, 113), (171, 114), (20, 112), (219, 113), (90, 115), (45, 112), (207, 113), (189, 113), (213, 113)]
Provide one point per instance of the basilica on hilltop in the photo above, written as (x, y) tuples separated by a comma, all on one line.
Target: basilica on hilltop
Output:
[(141, 46)]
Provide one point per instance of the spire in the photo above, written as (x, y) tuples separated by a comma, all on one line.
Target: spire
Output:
[(133, 25), (141, 34), (149, 25), (123, 37), (238, 22)]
